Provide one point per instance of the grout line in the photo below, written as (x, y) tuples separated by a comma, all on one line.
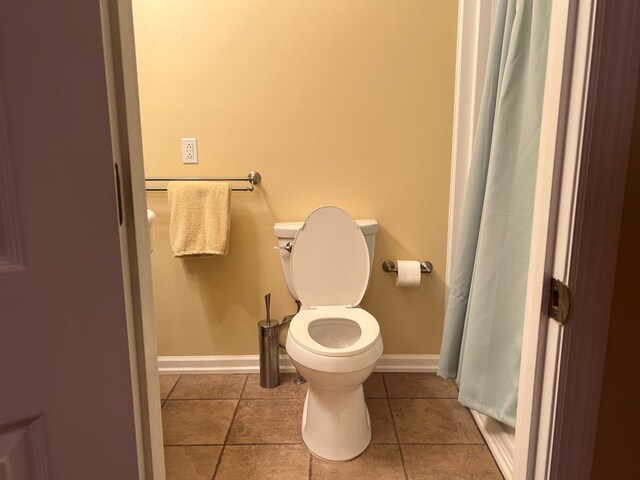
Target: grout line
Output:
[(484, 441), (282, 444), (422, 398), (218, 460), (203, 399), (247, 444), (301, 443), (273, 398), (404, 465), (235, 398), (226, 437), (193, 445), (384, 384), (475, 424), (444, 444), (270, 399), (171, 391), (302, 398), (395, 430), (262, 444)]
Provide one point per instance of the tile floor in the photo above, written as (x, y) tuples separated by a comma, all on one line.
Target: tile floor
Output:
[(227, 427)]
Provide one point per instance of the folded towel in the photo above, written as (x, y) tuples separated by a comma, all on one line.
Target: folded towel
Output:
[(199, 218)]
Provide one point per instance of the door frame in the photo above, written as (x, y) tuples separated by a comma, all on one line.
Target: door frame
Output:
[(552, 385), (563, 123), (591, 74), (585, 252), (126, 133)]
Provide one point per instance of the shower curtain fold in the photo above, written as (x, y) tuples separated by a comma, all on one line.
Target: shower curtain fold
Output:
[(483, 326)]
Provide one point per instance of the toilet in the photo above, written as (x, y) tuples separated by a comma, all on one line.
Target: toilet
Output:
[(334, 344)]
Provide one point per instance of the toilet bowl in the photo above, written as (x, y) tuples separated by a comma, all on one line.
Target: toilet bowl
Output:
[(332, 342)]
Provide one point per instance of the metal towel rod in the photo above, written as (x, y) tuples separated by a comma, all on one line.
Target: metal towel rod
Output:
[(254, 178)]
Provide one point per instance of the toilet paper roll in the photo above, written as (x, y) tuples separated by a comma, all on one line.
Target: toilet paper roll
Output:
[(408, 273)]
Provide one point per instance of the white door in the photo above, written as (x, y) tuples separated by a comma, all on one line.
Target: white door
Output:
[(66, 396)]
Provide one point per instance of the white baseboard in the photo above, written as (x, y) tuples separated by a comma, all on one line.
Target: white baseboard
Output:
[(500, 439), (424, 363), (419, 363)]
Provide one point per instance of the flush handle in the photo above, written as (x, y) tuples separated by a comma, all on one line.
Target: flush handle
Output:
[(288, 247)]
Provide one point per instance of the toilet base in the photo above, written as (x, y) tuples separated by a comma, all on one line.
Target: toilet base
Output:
[(335, 423)]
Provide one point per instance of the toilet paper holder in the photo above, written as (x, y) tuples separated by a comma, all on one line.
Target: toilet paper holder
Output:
[(390, 266)]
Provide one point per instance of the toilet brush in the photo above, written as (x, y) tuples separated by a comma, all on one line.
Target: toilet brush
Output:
[(267, 302), (269, 348)]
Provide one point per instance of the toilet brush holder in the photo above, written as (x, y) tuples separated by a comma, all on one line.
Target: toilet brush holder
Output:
[(269, 353)]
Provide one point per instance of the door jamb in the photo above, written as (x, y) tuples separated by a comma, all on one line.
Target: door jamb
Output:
[(124, 107), (566, 89), (593, 160), (591, 260), (589, 81)]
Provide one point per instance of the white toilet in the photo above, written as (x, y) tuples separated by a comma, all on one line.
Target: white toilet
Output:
[(332, 342)]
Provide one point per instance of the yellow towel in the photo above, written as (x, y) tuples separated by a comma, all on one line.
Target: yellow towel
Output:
[(199, 218)]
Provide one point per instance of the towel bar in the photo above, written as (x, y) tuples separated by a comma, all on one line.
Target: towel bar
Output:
[(254, 178)]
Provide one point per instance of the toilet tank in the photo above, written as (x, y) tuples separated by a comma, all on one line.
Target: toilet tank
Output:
[(286, 232)]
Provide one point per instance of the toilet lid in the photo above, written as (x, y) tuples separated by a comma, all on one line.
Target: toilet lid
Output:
[(329, 260)]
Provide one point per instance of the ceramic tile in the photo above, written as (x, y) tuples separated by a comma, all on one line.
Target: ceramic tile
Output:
[(381, 424), (166, 384), (191, 463), (377, 461), (433, 421), (438, 437), (267, 421), (444, 462), (418, 385), (286, 389), (374, 387), (196, 422), (206, 387), (258, 462)]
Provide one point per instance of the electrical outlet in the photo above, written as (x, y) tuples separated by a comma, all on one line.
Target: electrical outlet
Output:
[(189, 150)]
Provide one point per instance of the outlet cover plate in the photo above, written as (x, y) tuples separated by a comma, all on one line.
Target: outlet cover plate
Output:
[(189, 150)]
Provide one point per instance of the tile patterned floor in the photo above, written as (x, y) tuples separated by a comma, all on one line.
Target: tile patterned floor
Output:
[(226, 427)]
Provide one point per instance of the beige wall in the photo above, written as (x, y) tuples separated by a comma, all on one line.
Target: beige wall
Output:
[(333, 102)]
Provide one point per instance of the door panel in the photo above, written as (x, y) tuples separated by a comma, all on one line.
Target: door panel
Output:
[(64, 356), (10, 239)]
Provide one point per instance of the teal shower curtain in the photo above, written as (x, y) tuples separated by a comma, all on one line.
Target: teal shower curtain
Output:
[(483, 326)]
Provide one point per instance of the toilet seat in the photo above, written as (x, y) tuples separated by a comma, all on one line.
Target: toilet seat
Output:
[(369, 330), (330, 272)]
